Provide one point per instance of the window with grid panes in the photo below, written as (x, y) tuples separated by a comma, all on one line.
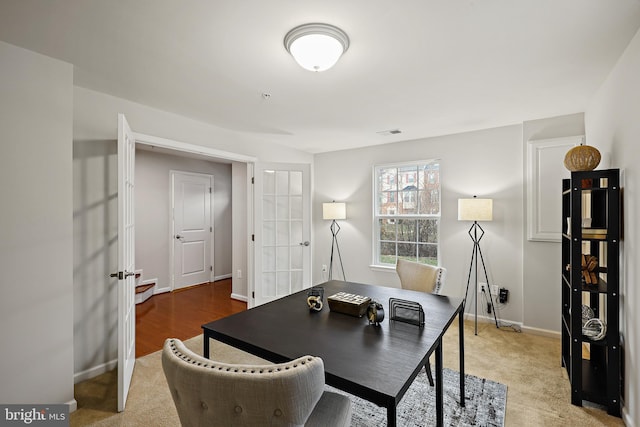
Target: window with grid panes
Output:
[(406, 212)]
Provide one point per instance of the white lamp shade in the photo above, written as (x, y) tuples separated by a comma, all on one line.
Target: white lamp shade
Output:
[(475, 209), (334, 210), (316, 52)]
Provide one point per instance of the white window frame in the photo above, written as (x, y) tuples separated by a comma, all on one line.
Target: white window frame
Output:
[(376, 216)]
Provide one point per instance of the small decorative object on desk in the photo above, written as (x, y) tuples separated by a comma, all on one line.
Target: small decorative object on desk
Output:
[(375, 313), (314, 298), (406, 311), (352, 304)]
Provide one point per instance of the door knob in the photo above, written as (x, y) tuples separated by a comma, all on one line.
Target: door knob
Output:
[(305, 243), (179, 237), (122, 274)]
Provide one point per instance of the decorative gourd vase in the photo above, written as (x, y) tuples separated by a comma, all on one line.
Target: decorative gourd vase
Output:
[(582, 158)]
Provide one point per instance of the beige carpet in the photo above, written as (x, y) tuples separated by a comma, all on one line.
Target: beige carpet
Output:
[(538, 390)]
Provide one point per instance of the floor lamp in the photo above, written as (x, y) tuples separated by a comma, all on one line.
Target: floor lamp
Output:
[(333, 211), (477, 210)]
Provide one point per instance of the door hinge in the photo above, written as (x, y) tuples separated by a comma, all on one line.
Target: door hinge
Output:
[(253, 294), (209, 190), (211, 268), (253, 180), (210, 229), (253, 237)]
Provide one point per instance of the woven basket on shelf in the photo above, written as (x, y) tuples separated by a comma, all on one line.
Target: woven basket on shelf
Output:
[(582, 158)]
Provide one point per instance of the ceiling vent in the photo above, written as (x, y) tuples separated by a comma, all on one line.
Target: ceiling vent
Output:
[(389, 132)]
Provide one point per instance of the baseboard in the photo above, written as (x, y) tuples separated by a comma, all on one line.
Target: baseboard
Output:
[(541, 332), (95, 371), (161, 290), (73, 405), (487, 319), (519, 325), (626, 418), (239, 297)]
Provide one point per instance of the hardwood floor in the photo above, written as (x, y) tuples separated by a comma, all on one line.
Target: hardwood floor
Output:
[(180, 314)]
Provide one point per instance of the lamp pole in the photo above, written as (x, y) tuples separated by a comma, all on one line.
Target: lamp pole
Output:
[(477, 251), (335, 229)]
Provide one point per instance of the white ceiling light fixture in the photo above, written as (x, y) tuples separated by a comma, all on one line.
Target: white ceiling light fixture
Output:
[(316, 47)]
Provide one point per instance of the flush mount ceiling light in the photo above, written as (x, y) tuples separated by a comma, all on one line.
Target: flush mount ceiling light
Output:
[(316, 47)]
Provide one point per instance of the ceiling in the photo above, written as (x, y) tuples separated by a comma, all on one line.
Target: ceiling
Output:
[(426, 67)]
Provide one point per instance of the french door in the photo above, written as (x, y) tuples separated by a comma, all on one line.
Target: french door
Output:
[(126, 260), (282, 250)]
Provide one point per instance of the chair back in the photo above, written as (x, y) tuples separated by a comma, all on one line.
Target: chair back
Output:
[(420, 277), (210, 393)]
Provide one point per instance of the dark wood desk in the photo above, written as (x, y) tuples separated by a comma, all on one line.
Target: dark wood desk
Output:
[(375, 363)]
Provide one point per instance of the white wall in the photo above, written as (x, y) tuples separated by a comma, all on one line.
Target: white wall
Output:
[(153, 220), (483, 163), (541, 271), (36, 248), (612, 123), (95, 199)]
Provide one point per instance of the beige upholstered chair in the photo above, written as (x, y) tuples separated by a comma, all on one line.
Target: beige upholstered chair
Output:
[(423, 278), (420, 277), (209, 393)]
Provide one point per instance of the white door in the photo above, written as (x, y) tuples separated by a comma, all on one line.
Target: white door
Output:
[(126, 260), (282, 230), (192, 228)]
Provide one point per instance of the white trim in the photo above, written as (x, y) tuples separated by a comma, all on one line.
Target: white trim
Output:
[(156, 141), (535, 194), (162, 290), (524, 329), (222, 277), (541, 332), (490, 319), (239, 297), (626, 417), (72, 404), (95, 371), (250, 280)]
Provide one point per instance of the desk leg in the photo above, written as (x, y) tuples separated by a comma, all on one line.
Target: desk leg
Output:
[(461, 334), (439, 394), (205, 341), (391, 416)]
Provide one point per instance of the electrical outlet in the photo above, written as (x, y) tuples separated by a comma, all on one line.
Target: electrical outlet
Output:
[(504, 295), (239, 274), (482, 287), (494, 290), (324, 268)]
